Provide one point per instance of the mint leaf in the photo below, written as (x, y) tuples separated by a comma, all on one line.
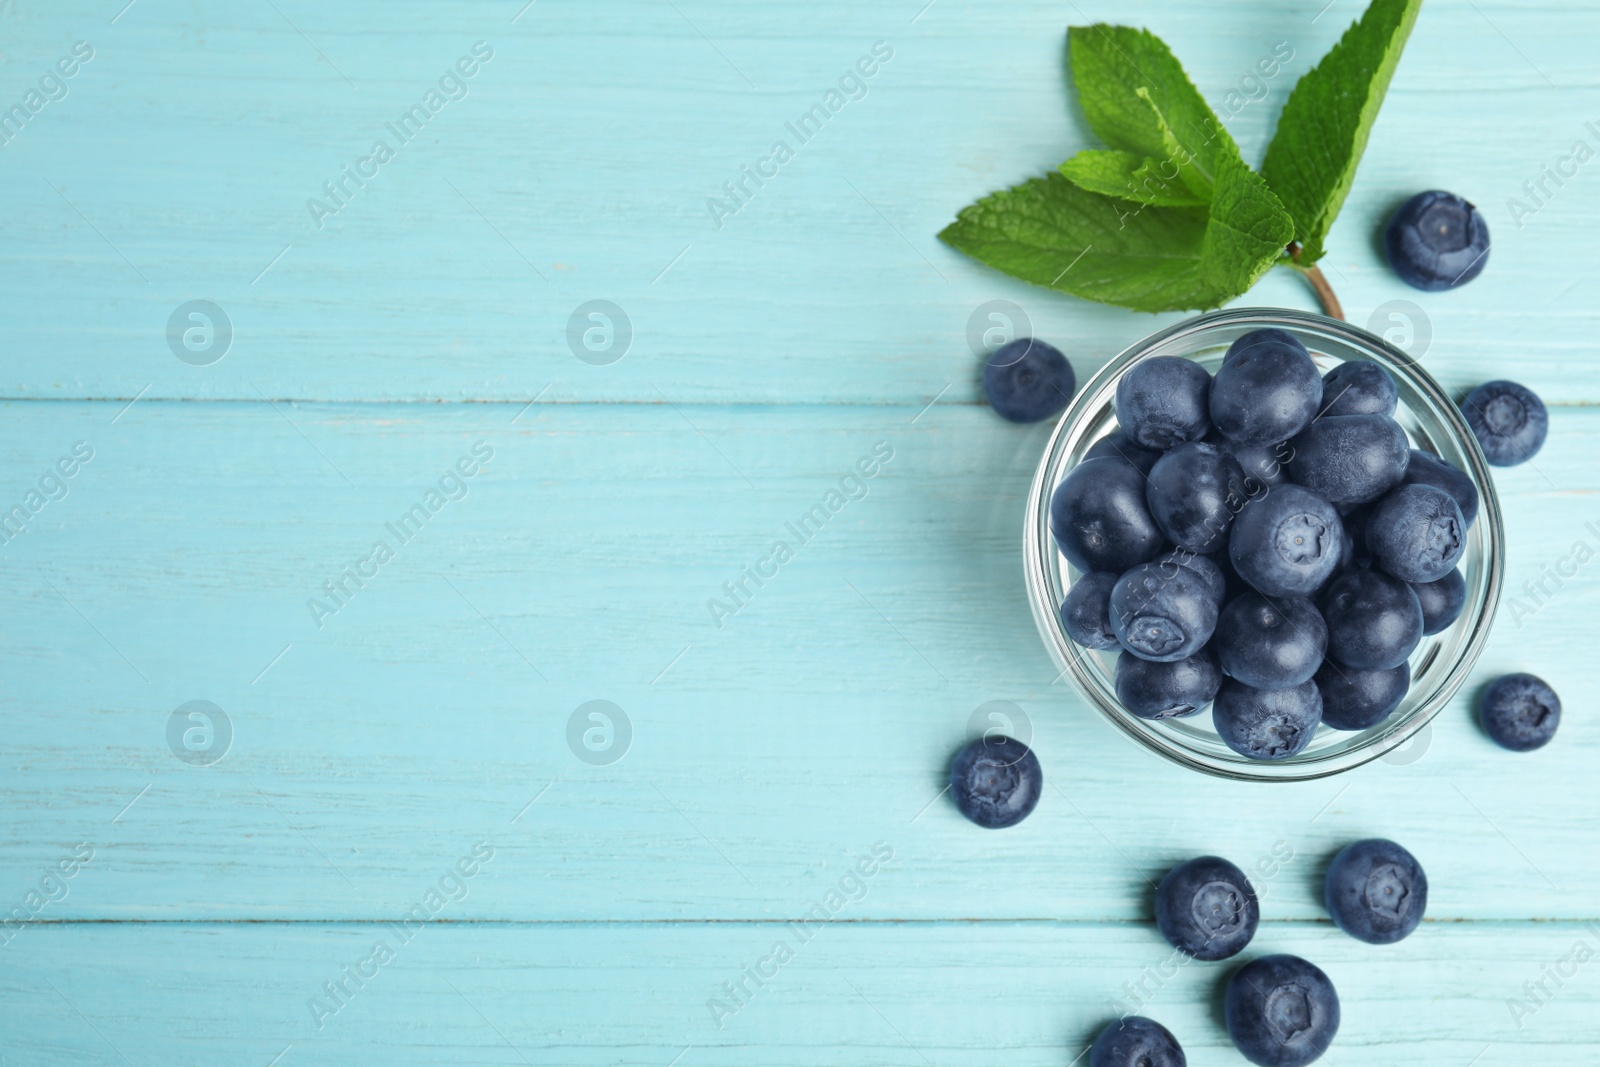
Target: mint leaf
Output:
[(1325, 124), (1051, 232), (1128, 176), (1137, 98), (1247, 231)]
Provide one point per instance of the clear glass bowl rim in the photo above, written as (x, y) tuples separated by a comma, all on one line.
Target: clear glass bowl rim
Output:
[(1039, 549)]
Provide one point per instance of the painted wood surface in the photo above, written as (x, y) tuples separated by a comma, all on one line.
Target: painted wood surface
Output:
[(423, 712)]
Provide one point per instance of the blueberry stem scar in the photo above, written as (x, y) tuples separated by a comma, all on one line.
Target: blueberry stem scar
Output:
[(1319, 282)]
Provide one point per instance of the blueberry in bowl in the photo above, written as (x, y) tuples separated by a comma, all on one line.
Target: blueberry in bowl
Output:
[(1373, 686)]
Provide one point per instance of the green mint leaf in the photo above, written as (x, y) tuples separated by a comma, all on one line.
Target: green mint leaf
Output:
[(1324, 126), (1128, 176), (1138, 99), (1247, 232), (1051, 232)]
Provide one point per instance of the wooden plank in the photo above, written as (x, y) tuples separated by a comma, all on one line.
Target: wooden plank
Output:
[(607, 993), (580, 162), (433, 706)]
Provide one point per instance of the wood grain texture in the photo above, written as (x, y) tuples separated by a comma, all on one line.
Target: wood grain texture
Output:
[(580, 163), (428, 716)]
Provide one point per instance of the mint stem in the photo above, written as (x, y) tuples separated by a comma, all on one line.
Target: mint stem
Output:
[(1313, 274)]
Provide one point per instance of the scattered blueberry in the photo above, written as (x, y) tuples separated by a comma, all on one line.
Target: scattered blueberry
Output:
[(1508, 420), (1268, 335), (1520, 712), (1207, 908), (1204, 566), (1167, 690), (1194, 492), (1134, 1041), (1281, 1011), (1374, 620), (1436, 240), (1441, 600), (1416, 533), (1376, 891), (1162, 401), (1266, 724), (1350, 459), (1265, 393), (1086, 612), (1354, 699), (1356, 387), (1425, 468), (996, 781), (1027, 380), (1099, 518), (1267, 464), (1162, 614), (1118, 444), (1271, 644), (1286, 543)]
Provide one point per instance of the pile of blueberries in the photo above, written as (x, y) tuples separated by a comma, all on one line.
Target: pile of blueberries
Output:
[(1267, 541)]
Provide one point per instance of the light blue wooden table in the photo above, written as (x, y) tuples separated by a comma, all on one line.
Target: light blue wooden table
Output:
[(396, 367)]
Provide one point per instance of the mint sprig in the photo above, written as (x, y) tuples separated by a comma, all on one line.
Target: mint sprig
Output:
[(1169, 216)]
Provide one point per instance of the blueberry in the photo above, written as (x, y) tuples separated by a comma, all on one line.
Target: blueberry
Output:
[(1086, 612), (1425, 468), (1376, 891), (1162, 401), (1416, 533), (1204, 566), (1354, 699), (1162, 614), (1267, 464), (1436, 240), (1099, 518), (1118, 444), (1350, 459), (1134, 1041), (1519, 712), (1194, 492), (1286, 543), (996, 781), (1356, 387), (1207, 908), (1266, 724), (1167, 690), (1027, 380), (1281, 1011), (1508, 420), (1269, 335), (1374, 620), (1266, 393), (1270, 644), (1441, 600)]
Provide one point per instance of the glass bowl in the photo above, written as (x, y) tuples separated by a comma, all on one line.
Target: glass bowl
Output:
[(1441, 662)]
